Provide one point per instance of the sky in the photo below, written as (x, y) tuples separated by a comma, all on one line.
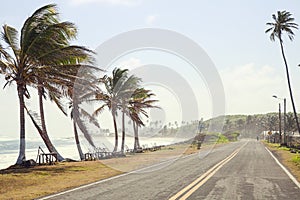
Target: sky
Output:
[(231, 33)]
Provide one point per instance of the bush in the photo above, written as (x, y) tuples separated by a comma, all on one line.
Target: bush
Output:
[(222, 139)]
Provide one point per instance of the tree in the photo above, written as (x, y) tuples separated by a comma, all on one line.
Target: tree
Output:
[(269, 121), (112, 97), (290, 123), (284, 23), (127, 89), (41, 56), (140, 101), (84, 91)]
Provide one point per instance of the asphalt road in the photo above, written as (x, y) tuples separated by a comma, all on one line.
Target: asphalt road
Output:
[(240, 170)]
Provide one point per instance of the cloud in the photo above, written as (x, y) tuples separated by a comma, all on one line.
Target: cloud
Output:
[(108, 2), (249, 88), (129, 63), (150, 19)]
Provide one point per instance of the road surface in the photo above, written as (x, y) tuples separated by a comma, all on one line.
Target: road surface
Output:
[(240, 170)]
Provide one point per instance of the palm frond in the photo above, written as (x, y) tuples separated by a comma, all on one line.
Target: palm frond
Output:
[(58, 102), (91, 118), (50, 38), (35, 119), (38, 21), (99, 110), (10, 36), (84, 130)]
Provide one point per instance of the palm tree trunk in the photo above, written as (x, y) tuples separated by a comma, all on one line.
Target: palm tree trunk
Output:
[(134, 145), (44, 134), (123, 131), (21, 158), (77, 141), (289, 85), (116, 132), (136, 136)]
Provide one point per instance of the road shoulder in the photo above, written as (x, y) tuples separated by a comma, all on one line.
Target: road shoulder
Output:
[(286, 158)]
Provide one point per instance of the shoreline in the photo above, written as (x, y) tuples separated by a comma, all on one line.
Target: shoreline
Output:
[(69, 148)]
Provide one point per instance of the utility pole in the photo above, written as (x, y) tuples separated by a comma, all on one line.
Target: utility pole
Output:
[(280, 135), (284, 121)]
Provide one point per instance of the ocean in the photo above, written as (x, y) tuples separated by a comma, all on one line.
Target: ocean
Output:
[(9, 147)]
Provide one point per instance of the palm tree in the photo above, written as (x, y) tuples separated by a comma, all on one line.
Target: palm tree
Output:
[(126, 91), (140, 101), (84, 91), (284, 23), (39, 55), (112, 97), (14, 70)]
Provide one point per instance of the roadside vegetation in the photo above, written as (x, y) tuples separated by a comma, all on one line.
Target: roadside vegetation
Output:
[(249, 126)]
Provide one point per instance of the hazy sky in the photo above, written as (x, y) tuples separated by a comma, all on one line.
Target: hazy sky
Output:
[(231, 32)]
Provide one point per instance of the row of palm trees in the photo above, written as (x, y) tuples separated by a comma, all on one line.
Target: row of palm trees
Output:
[(123, 93), (44, 59)]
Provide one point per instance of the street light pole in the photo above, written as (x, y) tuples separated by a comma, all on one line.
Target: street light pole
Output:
[(280, 135), (284, 119)]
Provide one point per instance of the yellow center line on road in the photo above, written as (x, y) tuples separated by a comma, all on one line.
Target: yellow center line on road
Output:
[(196, 184)]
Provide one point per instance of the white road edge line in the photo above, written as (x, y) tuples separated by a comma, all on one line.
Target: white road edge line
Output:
[(284, 169), (114, 177)]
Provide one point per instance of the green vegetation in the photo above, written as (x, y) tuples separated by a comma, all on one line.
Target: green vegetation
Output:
[(222, 139), (248, 126), (296, 160), (232, 136), (284, 148)]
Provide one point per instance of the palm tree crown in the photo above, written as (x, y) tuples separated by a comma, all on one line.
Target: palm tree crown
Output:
[(283, 22)]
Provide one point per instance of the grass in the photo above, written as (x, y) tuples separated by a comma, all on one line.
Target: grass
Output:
[(29, 183), (290, 160)]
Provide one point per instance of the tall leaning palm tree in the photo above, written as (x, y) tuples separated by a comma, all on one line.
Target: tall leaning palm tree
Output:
[(284, 23), (40, 53), (83, 92), (60, 65)]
